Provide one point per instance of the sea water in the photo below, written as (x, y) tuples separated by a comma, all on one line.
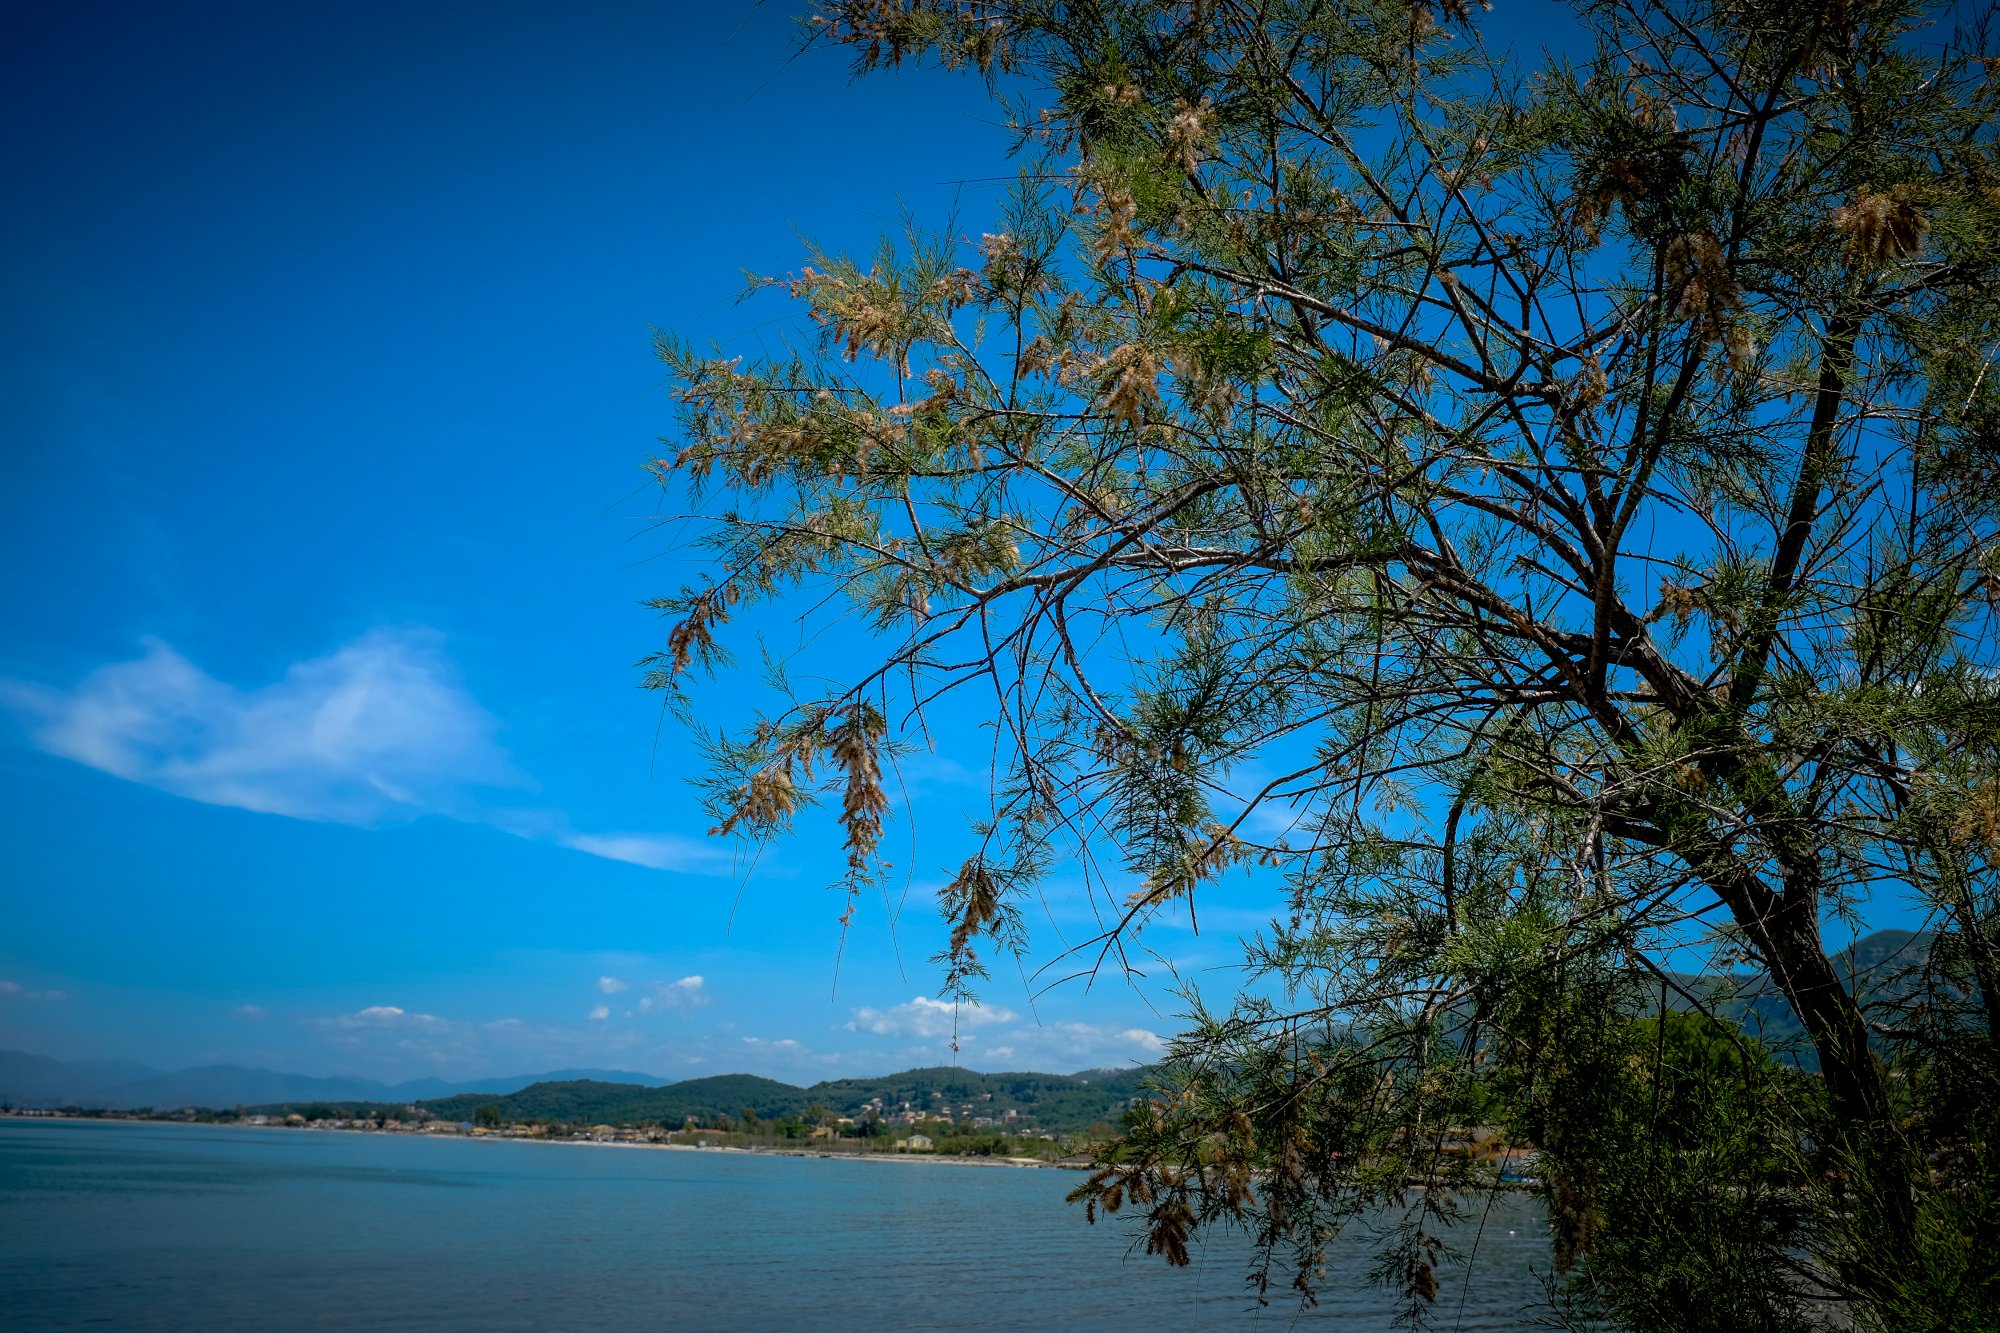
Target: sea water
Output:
[(152, 1226)]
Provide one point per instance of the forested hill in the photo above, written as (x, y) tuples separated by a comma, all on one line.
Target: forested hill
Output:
[(596, 1103), (1881, 969), (1878, 966), (1058, 1103)]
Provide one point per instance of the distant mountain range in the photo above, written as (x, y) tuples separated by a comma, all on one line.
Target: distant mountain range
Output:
[(1876, 965), (596, 1096), (1878, 968), (1057, 1102), (35, 1081)]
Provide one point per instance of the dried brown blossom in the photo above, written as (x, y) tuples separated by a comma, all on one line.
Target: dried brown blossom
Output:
[(1118, 211), (1704, 292), (855, 743), (1591, 384), (972, 900), (694, 637), (1876, 228), (767, 800), (1188, 132), (1678, 603), (1979, 818), (1130, 379)]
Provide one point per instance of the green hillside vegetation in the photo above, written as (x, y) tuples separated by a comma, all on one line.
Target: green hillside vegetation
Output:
[(591, 1102), (1883, 971), (1056, 1103), (1059, 1103), (1881, 967)]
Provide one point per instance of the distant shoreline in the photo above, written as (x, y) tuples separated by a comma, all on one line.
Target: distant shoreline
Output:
[(1515, 1185), (932, 1159)]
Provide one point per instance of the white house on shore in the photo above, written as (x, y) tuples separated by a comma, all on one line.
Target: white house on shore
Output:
[(914, 1143)]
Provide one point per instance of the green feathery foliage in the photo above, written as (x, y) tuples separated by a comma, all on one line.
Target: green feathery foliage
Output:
[(1580, 483)]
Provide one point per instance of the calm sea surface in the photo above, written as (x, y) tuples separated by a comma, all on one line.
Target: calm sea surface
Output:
[(121, 1225)]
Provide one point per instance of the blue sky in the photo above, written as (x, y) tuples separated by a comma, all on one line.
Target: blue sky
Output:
[(327, 348), (327, 351)]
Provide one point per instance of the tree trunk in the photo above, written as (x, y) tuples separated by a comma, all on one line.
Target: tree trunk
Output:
[(1855, 1080), (1866, 1140), (1784, 927)]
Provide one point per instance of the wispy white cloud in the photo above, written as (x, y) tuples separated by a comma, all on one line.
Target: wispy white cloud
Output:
[(687, 993), (1063, 1047), (993, 1038), (393, 1042), (10, 989), (927, 1018), (253, 1012), (377, 731), (655, 851), (391, 1031), (789, 1058), (612, 985), (1276, 820), (927, 771)]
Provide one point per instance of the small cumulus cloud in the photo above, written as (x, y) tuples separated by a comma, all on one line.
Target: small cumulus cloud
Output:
[(928, 1018), (389, 1030), (687, 993), (1152, 1043), (253, 1012), (386, 1016), (600, 1013), (612, 985)]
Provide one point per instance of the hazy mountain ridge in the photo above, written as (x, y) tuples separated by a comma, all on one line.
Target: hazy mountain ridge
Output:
[(38, 1082), (1879, 967), (597, 1096), (1058, 1102), (1050, 1101), (1878, 963)]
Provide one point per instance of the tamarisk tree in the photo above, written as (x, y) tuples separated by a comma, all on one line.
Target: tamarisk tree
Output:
[(1534, 518)]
